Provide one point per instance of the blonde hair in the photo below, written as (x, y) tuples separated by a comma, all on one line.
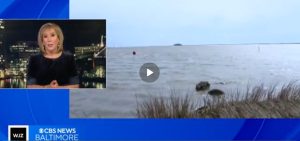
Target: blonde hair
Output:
[(57, 30)]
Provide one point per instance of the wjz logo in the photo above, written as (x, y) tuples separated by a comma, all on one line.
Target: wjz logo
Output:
[(18, 133)]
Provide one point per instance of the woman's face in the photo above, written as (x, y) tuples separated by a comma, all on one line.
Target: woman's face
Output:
[(50, 40)]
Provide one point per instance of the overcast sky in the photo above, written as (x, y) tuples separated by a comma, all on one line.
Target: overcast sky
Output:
[(193, 22)]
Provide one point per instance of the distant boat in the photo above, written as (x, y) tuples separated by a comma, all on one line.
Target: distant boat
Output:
[(177, 44)]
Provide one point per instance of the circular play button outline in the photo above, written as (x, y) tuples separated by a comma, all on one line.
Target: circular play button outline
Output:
[(149, 72)]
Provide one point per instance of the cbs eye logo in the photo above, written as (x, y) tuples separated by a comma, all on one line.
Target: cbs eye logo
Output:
[(18, 133)]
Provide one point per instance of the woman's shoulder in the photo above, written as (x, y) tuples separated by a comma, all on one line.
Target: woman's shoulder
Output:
[(36, 57), (67, 57)]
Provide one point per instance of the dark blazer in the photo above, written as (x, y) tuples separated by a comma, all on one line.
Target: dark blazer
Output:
[(42, 70)]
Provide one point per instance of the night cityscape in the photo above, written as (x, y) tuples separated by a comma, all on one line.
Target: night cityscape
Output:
[(86, 39)]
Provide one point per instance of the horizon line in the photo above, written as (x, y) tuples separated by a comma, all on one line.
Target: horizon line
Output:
[(201, 44)]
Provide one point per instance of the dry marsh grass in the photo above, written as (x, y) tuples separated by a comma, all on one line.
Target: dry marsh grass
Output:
[(258, 102)]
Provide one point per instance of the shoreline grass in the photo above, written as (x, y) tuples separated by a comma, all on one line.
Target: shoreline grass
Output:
[(258, 102)]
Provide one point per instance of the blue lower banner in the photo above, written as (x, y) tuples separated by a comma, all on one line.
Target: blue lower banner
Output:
[(44, 115)]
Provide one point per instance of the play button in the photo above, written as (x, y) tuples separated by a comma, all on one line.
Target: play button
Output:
[(149, 72)]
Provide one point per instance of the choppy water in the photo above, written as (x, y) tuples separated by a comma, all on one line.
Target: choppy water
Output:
[(227, 67)]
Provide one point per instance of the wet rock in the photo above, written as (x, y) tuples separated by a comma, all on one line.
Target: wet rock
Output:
[(202, 85), (215, 92)]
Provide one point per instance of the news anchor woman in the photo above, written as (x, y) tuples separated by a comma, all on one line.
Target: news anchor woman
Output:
[(52, 68)]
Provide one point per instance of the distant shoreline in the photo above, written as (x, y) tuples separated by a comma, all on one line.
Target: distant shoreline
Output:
[(183, 45)]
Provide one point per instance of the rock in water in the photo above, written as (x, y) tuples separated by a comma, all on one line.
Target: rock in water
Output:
[(215, 92), (202, 85)]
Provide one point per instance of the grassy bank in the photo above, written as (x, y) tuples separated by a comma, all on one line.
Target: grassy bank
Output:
[(258, 102)]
